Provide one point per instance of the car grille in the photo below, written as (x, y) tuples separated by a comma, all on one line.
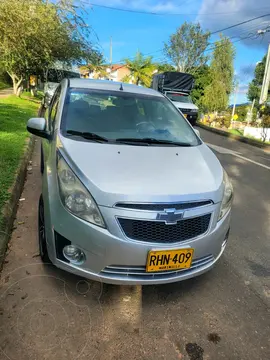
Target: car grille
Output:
[(185, 111), (160, 232), (139, 272), (163, 206)]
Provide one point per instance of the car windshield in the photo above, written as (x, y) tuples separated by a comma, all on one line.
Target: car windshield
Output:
[(119, 116), (179, 97)]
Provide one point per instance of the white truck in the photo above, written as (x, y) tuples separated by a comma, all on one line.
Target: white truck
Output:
[(177, 87)]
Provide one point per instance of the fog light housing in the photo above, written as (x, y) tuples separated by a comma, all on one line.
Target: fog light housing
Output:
[(74, 254)]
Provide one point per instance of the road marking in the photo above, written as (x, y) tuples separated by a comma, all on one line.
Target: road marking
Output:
[(223, 150)]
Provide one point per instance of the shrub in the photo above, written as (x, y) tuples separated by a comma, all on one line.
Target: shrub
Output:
[(225, 121), (265, 124)]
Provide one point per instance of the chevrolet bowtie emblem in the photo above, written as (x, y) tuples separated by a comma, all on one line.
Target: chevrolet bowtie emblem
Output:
[(170, 216)]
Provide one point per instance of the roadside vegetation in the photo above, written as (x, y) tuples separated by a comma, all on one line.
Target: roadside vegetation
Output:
[(3, 85), (37, 34), (14, 113), (236, 132)]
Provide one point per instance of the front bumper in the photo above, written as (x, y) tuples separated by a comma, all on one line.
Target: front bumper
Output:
[(113, 258), (192, 118)]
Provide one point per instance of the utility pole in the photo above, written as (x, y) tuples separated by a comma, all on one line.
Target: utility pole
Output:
[(250, 113), (111, 54), (234, 103), (111, 50), (266, 79)]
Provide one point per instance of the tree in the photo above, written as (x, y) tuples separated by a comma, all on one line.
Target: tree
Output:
[(141, 70), (186, 47), (216, 96), (164, 67), (265, 115), (254, 89), (34, 34), (202, 80), (241, 111), (96, 66)]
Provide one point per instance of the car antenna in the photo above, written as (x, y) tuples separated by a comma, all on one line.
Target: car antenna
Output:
[(121, 87)]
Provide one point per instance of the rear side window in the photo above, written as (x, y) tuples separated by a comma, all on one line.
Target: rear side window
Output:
[(54, 108)]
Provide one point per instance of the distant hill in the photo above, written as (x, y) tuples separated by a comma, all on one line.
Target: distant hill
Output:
[(244, 104)]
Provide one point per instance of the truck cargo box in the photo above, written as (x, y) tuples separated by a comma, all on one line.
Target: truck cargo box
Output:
[(173, 80)]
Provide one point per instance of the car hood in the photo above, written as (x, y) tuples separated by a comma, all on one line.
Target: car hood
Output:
[(181, 105), (114, 173)]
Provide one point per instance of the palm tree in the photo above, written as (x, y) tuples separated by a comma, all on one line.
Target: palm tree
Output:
[(97, 66), (141, 70)]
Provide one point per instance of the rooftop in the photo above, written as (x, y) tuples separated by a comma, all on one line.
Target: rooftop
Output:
[(111, 85)]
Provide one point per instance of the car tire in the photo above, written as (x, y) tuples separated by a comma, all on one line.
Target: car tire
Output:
[(41, 160), (42, 233)]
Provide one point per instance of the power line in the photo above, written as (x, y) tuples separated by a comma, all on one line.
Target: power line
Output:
[(250, 36), (241, 23), (247, 30), (211, 33), (232, 42), (160, 13)]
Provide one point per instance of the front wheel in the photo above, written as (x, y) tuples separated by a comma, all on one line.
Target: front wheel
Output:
[(42, 233)]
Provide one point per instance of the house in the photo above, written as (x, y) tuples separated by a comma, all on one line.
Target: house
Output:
[(118, 72), (115, 72)]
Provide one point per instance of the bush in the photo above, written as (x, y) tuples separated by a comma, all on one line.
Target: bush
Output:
[(265, 124), (225, 121)]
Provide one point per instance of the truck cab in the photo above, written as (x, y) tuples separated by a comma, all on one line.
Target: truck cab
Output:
[(184, 103), (177, 87)]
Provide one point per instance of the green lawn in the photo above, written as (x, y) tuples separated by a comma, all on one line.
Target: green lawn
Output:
[(14, 113), (236, 132)]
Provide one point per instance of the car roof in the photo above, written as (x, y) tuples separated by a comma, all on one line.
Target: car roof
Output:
[(111, 85)]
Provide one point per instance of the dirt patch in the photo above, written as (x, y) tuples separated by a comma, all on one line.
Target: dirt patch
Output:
[(214, 337), (194, 351)]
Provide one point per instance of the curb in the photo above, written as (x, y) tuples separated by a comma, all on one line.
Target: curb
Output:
[(10, 208), (235, 137)]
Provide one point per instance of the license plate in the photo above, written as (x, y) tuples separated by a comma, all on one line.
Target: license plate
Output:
[(165, 260), (185, 115)]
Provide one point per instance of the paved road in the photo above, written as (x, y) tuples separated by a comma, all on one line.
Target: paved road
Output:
[(48, 314), (249, 169), (6, 92)]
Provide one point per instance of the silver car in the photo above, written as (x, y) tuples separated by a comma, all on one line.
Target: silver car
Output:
[(130, 193)]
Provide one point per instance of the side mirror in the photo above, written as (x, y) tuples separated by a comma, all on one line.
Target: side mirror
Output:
[(197, 132), (37, 126)]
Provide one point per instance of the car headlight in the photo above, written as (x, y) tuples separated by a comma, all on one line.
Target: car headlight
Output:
[(194, 110), (227, 196), (75, 197)]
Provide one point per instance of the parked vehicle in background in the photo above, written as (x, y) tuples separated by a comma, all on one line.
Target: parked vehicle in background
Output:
[(53, 77), (130, 193), (177, 87)]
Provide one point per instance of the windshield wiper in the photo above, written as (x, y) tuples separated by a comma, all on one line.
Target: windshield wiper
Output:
[(152, 141), (87, 135)]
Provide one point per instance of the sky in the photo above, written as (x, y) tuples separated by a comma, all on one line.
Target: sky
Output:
[(134, 30)]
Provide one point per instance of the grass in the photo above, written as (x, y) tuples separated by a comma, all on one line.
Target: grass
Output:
[(14, 113), (236, 132), (241, 133), (27, 96), (254, 138)]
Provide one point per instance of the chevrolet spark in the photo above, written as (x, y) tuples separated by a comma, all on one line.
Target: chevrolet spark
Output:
[(130, 193)]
